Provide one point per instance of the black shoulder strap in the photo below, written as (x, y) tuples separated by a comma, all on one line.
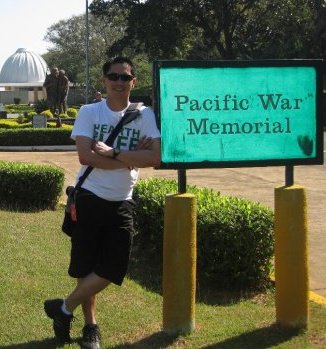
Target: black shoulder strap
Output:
[(131, 114)]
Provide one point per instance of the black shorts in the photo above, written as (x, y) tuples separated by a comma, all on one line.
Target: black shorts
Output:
[(102, 240)]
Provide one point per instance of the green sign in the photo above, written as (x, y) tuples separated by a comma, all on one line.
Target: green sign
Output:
[(233, 114)]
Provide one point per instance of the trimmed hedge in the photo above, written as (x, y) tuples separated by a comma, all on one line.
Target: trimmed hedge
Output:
[(18, 108), (13, 124), (234, 236), (72, 112), (30, 187), (36, 136), (47, 113)]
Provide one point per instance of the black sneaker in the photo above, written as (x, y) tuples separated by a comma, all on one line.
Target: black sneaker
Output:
[(91, 337), (61, 321)]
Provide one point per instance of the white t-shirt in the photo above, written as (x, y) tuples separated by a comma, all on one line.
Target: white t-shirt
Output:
[(96, 121)]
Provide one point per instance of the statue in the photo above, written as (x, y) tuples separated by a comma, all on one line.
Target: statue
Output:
[(63, 88), (51, 86)]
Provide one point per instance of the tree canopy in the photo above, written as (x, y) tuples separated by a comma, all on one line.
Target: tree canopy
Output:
[(227, 29), (68, 38), (147, 30)]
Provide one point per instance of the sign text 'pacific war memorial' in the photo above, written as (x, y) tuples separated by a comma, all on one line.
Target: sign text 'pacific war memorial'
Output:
[(236, 113)]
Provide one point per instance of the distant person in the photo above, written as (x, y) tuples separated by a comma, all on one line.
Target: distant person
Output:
[(98, 97), (63, 88), (51, 88)]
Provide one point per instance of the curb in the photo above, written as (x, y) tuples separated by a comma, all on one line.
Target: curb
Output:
[(317, 298), (313, 296), (39, 148)]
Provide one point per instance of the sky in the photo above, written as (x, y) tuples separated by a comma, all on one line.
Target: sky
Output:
[(23, 23)]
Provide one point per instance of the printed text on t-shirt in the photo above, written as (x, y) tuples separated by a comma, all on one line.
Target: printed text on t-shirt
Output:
[(127, 138)]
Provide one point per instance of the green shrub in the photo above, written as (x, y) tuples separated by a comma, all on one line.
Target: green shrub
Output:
[(64, 116), (63, 126), (40, 106), (17, 100), (47, 113), (30, 187), (29, 116), (18, 108), (234, 236), (72, 112), (5, 124), (21, 119), (36, 136), (14, 124)]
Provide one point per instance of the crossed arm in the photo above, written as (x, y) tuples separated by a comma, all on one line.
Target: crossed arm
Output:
[(99, 155)]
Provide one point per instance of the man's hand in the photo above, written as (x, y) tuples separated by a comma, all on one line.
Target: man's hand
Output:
[(102, 149), (144, 143), (147, 153)]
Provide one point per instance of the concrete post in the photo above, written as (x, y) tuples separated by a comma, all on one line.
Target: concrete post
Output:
[(179, 264), (291, 257)]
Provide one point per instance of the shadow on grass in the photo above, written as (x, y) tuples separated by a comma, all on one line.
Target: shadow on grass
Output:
[(146, 269), (49, 343), (158, 340), (266, 337)]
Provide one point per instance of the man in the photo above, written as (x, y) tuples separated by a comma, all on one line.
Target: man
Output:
[(97, 97), (63, 88), (51, 87), (102, 240)]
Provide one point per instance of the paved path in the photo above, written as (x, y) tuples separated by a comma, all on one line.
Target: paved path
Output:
[(256, 184)]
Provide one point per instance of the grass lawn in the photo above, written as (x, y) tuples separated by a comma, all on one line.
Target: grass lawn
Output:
[(33, 263)]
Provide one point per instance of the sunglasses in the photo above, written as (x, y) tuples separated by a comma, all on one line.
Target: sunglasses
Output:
[(122, 77)]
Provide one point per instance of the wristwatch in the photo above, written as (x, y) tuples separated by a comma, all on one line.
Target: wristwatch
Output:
[(116, 152)]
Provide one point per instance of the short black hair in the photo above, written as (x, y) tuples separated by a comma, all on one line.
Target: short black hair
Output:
[(119, 60)]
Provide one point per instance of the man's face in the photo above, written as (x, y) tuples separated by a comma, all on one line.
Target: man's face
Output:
[(119, 80)]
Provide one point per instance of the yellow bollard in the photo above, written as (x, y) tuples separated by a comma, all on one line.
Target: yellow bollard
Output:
[(179, 264), (291, 257)]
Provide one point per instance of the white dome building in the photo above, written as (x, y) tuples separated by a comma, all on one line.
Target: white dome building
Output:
[(22, 76)]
